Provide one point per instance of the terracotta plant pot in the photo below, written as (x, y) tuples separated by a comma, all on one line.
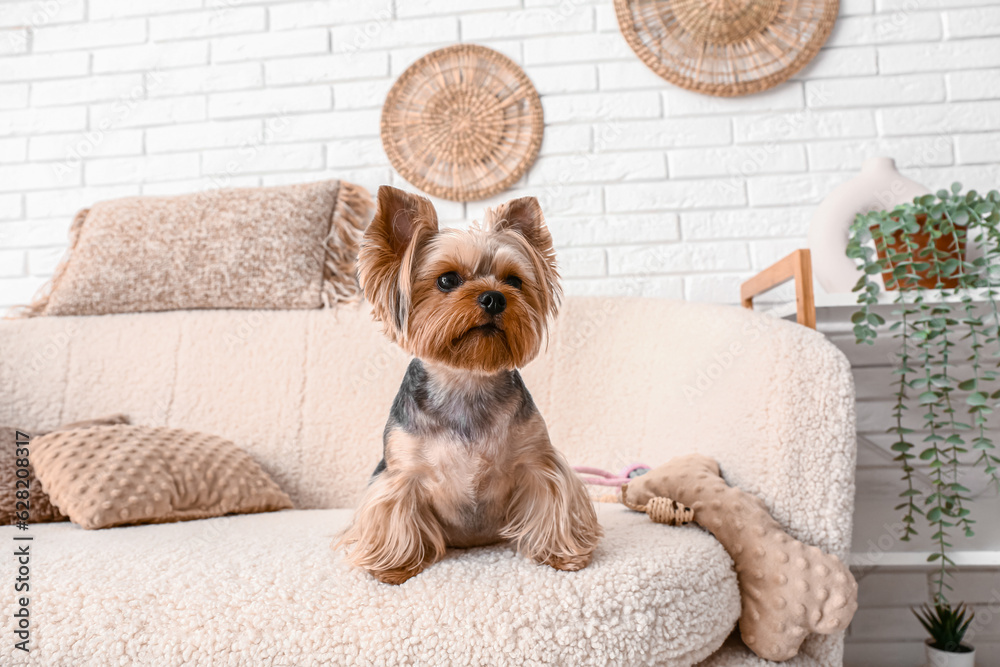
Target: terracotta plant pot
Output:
[(922, 239), (938, 658)]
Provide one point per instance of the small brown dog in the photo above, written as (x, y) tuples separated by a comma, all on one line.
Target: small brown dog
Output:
[(466, 456)]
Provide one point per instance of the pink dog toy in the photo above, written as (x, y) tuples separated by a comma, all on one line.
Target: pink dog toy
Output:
[(605, 478)]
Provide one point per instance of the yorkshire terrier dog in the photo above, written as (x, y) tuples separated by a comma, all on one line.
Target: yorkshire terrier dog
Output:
[(466, 456)]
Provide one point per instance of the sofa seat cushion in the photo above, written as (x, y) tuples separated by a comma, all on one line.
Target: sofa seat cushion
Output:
[(266, 589)]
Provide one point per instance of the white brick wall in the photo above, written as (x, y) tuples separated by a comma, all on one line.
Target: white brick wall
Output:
[(649, 189)]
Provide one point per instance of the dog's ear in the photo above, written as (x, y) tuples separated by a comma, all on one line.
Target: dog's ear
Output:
[(523, 216), (403, 223)]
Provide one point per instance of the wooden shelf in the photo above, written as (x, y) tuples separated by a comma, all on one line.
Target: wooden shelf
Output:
[(918, 559), (850, 300), (832, 303)]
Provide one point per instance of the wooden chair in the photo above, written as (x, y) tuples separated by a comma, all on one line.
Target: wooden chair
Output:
[(796, 266)]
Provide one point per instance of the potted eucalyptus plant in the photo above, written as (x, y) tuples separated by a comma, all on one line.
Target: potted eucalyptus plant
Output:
[(942, 296), (947, 628)]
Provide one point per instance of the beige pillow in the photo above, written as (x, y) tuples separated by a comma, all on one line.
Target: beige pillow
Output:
[(40, 507), (118, 475), (270, 248)]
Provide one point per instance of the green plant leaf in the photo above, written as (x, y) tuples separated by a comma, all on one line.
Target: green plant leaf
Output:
[(976, 398), (927, 398)]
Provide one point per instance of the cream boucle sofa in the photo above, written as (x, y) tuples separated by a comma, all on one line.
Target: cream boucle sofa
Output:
[(308, 392)]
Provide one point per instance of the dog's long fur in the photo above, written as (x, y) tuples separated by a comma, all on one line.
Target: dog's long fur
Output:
[(466, 456)]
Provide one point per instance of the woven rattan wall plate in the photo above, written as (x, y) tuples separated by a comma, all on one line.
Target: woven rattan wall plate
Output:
[(726, 47), (462, 123)]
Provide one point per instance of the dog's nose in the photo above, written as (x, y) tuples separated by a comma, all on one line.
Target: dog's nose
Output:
[(493, 302)]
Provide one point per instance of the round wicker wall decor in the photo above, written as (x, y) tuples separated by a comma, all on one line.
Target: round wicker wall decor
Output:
[(462, 123), (726, 47)]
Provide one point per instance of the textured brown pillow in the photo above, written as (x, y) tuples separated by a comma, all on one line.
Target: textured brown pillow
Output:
[(118, 475), (40, 507), (274, 248)]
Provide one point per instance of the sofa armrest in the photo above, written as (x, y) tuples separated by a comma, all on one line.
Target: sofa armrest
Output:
[(645, 380)]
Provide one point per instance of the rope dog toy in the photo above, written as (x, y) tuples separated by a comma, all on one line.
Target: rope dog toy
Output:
[(658, 509), (788, 589)]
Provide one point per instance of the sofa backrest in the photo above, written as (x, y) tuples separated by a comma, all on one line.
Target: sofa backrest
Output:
[(308, 392)]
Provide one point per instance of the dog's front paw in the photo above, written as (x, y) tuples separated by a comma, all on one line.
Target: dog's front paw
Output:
[(395, 577), (569, 563)]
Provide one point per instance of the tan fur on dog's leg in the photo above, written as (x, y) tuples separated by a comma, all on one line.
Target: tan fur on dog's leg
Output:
[(394, 534), (551, 517)]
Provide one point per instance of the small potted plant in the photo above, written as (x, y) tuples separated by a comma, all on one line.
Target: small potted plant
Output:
[(947, 628)]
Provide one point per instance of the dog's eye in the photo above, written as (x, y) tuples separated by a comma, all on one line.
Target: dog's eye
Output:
[(449, 281), (513, 281)]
